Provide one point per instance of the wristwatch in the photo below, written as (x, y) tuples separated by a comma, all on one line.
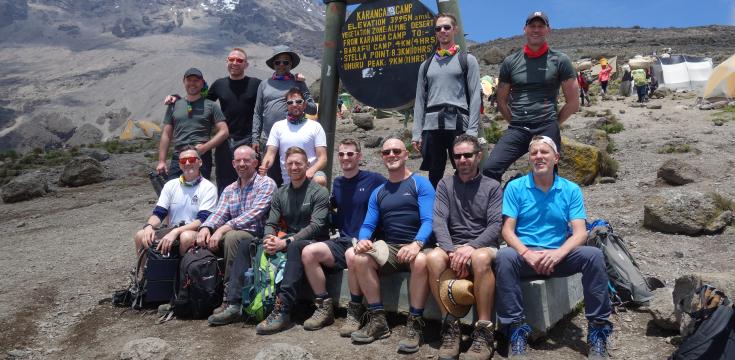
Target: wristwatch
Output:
[(289, 240)]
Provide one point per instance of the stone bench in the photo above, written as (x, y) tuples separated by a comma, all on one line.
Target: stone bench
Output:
[(546, 300)]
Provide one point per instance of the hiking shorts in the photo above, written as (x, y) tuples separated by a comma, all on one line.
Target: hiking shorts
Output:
[(338, 247), (393, 265)]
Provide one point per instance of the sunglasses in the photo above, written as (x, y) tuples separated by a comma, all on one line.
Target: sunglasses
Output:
[(442, 27), (297, 102), (349, 154), (188, 160), (282, 62), (235, 60), (468, 155), (387, 152)]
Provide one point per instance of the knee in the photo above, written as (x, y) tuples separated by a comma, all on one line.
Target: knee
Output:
[(308, 255), (186, 239), (436, 257), (481, 259), (419, 263)]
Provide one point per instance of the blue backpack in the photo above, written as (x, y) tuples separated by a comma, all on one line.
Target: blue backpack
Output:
[(261, 280)]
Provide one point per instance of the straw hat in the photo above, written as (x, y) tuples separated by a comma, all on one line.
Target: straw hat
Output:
[(457, 295), (282, 49), (380, 251)]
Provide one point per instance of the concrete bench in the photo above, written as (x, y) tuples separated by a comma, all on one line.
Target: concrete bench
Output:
[(546, 300)]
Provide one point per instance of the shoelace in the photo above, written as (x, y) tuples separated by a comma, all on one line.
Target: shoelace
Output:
[(412, 326), (518, 339), (352, 315), (598, 339), (274, 314), (450, 335), (479, 338)]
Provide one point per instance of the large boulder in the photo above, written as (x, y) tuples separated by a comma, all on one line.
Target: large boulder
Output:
[(662, 309), (57, 124), (687, 212), (677, 172), (147, 349), (84, 135), (685, 300), (280, 351), (661, 93), (24, 187), (595, 137), (82, 170), (364, 120), (579, 162)]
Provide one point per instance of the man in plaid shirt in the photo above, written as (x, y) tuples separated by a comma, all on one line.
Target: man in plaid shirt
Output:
[(240, 214)]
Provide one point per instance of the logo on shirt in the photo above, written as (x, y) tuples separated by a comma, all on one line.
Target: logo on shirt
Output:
[(195, 200), (361, 189), (407, 194)]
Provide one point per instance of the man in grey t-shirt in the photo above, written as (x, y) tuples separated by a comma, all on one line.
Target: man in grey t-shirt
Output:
[(447, 104), (190, 122), (527, 95)]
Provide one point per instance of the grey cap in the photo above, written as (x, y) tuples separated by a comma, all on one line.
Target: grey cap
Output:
[(193, 72), (537, 15), (283, 49)]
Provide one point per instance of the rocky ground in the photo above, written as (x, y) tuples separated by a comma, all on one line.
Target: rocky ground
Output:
[(68, 251)]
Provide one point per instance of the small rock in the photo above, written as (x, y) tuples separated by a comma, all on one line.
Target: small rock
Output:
[(653, 106), (364, 120), (21, 224), (16, 353), (687, 212), (622, 111), (677, 172), (280, 351), (373, 141), (607, 180), (97, 154), (678, 254), (661, 308), (146, 349)]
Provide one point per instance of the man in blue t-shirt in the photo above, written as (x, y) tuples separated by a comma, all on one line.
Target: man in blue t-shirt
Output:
[(349, 202), (538, 209), (404, 208)]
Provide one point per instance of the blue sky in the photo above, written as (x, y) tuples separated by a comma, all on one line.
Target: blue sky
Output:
[(486, 20)]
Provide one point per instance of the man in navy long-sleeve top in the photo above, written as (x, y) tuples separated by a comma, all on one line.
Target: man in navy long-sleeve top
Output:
[(403, 207)]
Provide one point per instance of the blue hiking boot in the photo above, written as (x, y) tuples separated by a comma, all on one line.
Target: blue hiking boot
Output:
[(597, 339), (518, 340)]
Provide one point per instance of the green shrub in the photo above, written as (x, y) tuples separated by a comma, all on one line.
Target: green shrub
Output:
[(613, 127), (493, 133), (675, 148)]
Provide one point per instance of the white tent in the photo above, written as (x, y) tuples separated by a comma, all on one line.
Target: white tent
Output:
[(682, 71)]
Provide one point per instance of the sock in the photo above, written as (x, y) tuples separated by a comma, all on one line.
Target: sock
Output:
[(416, 312), (323, 295), (356, 298), (376, 306)]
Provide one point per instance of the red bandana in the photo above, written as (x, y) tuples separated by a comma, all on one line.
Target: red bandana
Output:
[(534, 54)]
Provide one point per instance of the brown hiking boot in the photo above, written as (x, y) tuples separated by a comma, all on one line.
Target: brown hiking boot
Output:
[(323, 315), (451, 337), (376, 328), (278, 320), (483, 342), (220, 308), (413, 336), (352, 322)]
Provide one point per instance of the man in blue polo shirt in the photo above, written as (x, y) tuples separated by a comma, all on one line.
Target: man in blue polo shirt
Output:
[(403, 207), (537, 209)]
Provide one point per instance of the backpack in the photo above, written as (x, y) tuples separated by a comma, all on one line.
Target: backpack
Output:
[(261, 280), (463, 65), (154, 283), (639, 77), (201, 285), (626, 282), (714, 334), (589, 78)]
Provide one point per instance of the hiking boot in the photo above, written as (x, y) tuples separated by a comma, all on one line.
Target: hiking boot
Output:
[(352, 322), (323, 315), (597, 339), (414, 333), (220, 308), (483, 342), (277, 320), (229, 315), (451, 337), (376, 328), (518, 340)]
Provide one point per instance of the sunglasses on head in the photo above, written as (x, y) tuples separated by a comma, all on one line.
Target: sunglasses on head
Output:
[(235, 60), (282, 62), (349, 154), (468, 155), (297, 102), (387, 152), (442, 27), (188, 160)]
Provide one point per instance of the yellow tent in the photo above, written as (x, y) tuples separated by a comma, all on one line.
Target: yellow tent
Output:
[(721, 83), (139, 129)]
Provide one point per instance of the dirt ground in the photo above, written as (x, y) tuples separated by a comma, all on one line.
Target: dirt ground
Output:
[(67, 252)]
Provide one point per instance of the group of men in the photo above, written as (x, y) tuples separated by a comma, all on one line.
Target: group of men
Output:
[(443, 227)]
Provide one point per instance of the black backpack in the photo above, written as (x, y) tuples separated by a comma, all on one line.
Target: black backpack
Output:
[(201, 285), (714, 334), (153, 283), (627, 284)]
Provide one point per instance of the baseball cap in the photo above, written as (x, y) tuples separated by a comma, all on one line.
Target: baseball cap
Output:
[(193, 72), (544, 140), (537, 14)]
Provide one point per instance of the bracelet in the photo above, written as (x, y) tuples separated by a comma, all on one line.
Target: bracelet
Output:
[(524, 252), (147, 225)]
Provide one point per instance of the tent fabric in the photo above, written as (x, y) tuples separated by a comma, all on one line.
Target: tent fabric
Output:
[(721, 83), (682, 71), (141, 129)]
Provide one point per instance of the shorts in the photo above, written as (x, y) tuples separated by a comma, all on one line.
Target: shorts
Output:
[(393, 265), (338, 247)]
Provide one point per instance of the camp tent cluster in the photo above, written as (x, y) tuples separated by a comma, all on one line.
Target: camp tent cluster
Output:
[(721, 83), (140, 129), (682, 71)]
